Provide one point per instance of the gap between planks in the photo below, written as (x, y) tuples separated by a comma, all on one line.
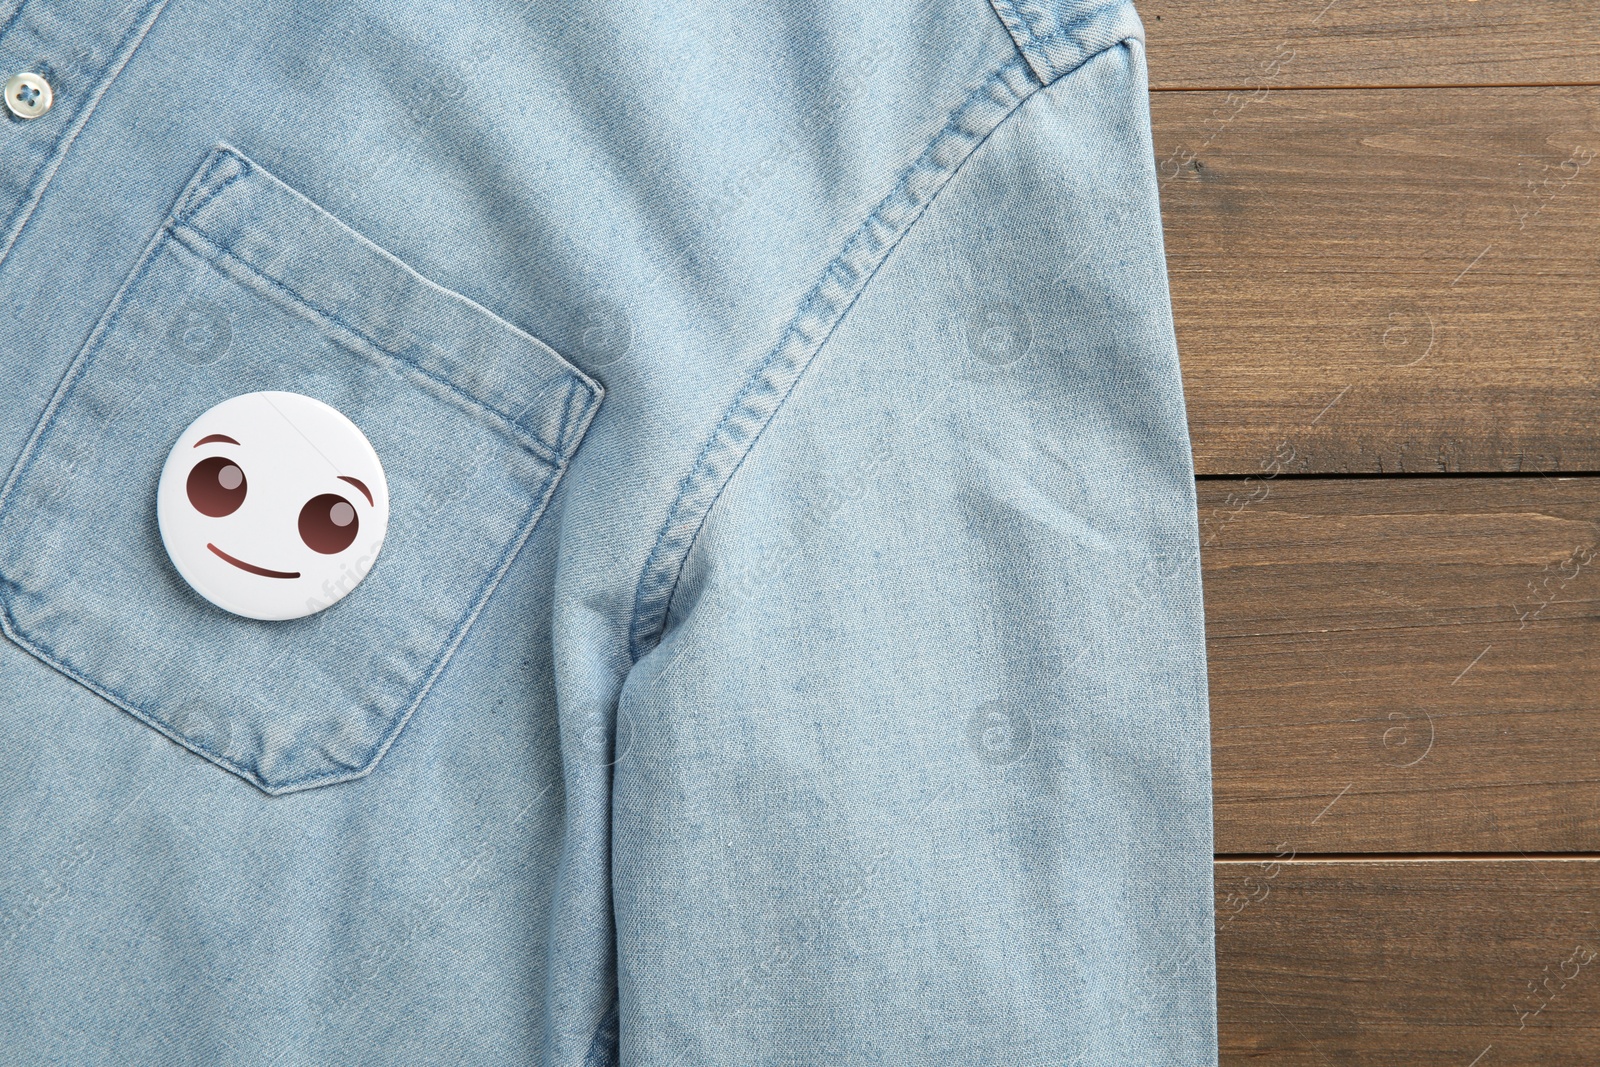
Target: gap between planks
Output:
[(1401, 857), (1327, 476), (1365, 88)]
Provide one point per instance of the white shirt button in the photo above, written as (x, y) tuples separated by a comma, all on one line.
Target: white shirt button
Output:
[(28, 95)]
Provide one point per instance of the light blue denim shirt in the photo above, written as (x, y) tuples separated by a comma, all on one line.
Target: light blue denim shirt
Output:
[(787, 648)]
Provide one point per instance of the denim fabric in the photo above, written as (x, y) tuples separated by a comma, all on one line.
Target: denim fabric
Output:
[(787, 647)]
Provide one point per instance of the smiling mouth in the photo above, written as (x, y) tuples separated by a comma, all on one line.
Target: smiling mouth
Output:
[(251, 567)]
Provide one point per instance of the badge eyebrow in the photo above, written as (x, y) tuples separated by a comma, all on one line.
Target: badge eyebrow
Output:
[(358, 484), (211, 438)]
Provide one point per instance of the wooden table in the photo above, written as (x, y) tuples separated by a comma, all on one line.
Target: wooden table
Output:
[(1383, 233)]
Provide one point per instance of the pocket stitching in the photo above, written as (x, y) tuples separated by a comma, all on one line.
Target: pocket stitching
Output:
[(282, 296), (108, 320), (206, 188), (9, 624), (81, 361), (240, 166), (12, 628), (566, 411), (556, 466)]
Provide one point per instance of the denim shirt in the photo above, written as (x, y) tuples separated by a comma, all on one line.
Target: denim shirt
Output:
[(787, 645)]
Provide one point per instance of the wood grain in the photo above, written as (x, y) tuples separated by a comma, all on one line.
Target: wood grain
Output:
[(1201, 44), (1422, 963), (1386, 280), (1378, 270), (1404, 664)]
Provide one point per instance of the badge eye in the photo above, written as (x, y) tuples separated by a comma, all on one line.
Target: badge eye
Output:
[(217, 486), (328, 524)]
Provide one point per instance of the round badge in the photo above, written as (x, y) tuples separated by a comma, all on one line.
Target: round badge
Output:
[(272, 505)]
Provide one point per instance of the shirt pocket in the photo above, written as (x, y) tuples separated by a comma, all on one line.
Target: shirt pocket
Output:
[(250, 286)]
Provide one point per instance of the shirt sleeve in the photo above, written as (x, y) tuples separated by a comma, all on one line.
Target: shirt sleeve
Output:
[(919, 771)]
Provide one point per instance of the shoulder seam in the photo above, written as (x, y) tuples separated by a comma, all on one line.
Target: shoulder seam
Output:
[(840, 284), (1057, 36)]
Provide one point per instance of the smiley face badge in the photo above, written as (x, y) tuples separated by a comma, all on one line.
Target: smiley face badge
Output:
[(272, 505)]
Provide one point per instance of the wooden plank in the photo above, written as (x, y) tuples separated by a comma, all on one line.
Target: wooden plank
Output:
[(1386, 280), (1424, 963), (1404, 664), (1201, 44)]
